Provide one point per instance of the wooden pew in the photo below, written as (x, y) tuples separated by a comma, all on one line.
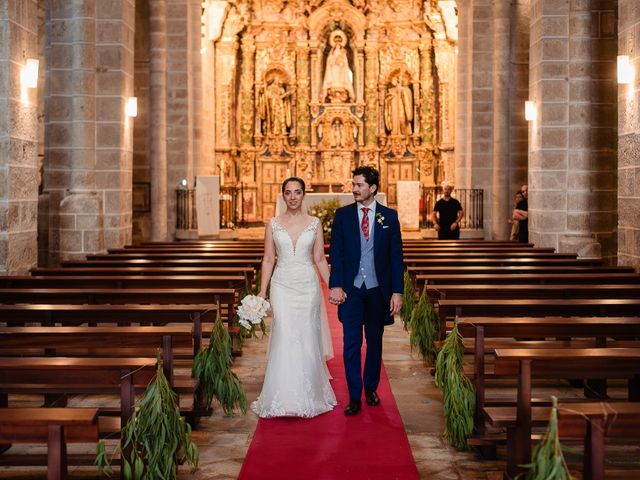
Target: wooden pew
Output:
[(505, 279), (591, 421), (506, 262), (438, 255), (448, 309), (73, 315), (99, 341), (559, 363), (481, 328), (437, 292), (114, 296), (178, 256), (168, 263), (248, 272), (62, 375), (54, 426), (86, 280), (513, 270)]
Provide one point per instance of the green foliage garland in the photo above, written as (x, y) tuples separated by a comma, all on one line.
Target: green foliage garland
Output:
[(424, 327), (212, 368), (459, 394), (408, 302), (156, 439), (548, 461)]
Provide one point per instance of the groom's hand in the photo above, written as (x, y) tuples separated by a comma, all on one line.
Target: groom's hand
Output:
[(396, 303), (337, 296)]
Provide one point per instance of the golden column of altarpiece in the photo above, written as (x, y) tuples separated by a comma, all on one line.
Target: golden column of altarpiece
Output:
[(316, 90)]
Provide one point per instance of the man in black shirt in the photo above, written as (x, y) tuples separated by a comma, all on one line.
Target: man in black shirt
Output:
[(446, 215), (521, 213)]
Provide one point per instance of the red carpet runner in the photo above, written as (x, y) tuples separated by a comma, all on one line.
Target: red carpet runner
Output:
[(372, 445)]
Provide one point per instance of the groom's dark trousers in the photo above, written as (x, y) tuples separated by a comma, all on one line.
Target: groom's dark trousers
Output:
[(363, 308)]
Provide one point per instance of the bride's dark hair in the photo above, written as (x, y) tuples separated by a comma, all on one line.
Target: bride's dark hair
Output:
[(293, 179)]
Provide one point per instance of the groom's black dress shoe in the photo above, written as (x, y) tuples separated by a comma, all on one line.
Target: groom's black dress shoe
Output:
[(372, 398), (354, 407)]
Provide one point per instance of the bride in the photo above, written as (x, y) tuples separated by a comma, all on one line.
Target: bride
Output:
[(296, 381)]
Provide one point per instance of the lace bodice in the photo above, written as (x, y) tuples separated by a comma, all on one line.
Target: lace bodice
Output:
[(294, 250)]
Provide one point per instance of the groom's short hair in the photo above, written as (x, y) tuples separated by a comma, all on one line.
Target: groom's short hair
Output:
[(370, 174)]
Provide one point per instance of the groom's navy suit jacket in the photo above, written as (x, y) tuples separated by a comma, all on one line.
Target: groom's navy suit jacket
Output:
[(344, 253)]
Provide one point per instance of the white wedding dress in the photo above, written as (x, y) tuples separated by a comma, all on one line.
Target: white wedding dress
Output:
[(296, 381)]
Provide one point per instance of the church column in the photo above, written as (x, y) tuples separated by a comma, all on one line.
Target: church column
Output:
[(629, 141), (572, 193), (500, 202), (158, 117), (75, 208), (18, 140)]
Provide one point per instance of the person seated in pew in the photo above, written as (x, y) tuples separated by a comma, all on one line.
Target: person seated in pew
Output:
[(514, 222), (521, 213)]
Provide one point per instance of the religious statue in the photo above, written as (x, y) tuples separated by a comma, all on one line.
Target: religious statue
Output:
[(274, 108), (337, 134), (338, 77), (398, 108)]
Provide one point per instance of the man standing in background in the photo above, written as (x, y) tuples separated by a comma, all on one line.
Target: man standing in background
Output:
[(446, 215)]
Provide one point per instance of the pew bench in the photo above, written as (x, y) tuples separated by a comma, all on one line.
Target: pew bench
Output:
[(528, 278), (54, 426)]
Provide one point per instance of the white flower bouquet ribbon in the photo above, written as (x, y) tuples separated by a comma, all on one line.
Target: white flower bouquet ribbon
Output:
[(252, 310)]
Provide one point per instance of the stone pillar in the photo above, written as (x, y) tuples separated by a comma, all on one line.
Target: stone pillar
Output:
[(629, 140), (501, 202), (572, 199), (70, 129), (158, 119), (18, 139)]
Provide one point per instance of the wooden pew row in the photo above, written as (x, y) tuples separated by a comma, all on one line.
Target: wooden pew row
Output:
[(124, 315), (225, 297), (525, 364), (448, 309), (549, 278), (483, 330), (514, 270), (168, 263), (453, 263), (247, 272), (238, 256), (87, 280), (438, 292), (590, 421), (53, 426)]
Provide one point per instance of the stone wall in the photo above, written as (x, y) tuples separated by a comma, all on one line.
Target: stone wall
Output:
[(18, 139), (629, 140)]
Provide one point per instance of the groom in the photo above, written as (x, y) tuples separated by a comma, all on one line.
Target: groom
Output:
[(366, 282)]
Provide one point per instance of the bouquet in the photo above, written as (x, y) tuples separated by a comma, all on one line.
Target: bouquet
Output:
[(251, 311)]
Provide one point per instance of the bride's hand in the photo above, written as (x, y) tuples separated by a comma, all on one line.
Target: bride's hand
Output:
[(262, 294)]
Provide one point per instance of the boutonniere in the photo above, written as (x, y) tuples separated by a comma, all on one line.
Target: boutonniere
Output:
[(380, 218)]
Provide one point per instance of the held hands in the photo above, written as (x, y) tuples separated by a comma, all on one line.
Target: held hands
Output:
[(396, 304), (337, 296), (454, 225)]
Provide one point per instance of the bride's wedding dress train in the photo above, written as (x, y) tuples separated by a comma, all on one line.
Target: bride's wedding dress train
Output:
[(296, 381)]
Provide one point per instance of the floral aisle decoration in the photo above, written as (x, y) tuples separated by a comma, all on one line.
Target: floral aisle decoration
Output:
[(325, 211), (408, 301), (458, 391), (212, 369), (156, 439), (423, 327), (548, 460)]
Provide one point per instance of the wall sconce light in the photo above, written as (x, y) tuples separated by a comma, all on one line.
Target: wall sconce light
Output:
[(626, 72), (132, 107), (30, 73), (530, 111)]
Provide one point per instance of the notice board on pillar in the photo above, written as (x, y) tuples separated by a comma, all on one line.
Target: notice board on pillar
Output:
[(408, 195), (208, 204)]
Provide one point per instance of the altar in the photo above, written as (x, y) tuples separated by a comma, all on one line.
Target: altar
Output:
[(313, 199)]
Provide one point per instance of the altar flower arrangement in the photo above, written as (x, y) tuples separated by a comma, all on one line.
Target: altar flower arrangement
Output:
[(251, 311), (325, 211)]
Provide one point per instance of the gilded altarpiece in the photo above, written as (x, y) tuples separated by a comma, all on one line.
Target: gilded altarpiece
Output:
[(314, 89)]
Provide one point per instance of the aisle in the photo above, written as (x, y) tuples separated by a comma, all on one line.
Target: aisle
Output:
[(372, 445)]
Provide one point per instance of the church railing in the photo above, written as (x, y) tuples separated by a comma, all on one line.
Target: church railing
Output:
[(231, 208), (471, 200)]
